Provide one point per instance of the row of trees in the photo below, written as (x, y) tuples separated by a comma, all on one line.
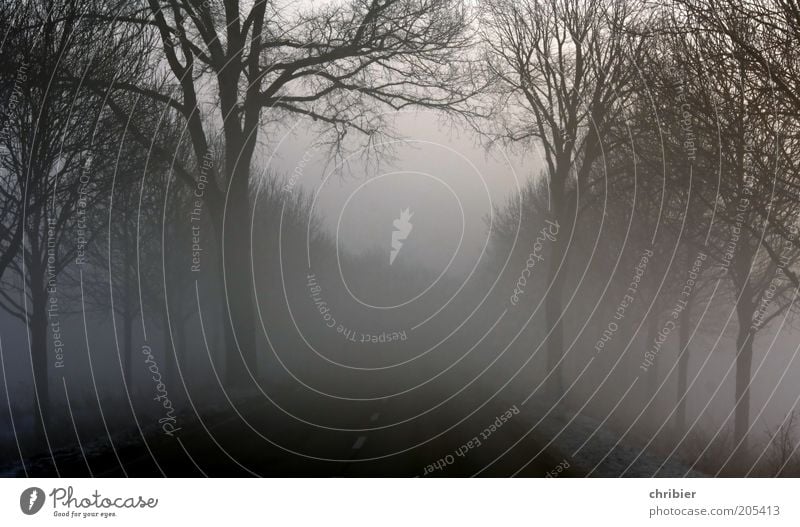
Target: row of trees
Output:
[(126, 121), (683, 116)]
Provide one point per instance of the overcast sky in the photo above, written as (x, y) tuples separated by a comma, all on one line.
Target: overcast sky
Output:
[(441, 173)]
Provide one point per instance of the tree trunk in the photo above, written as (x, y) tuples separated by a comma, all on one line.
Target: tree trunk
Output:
[(240, 326), (179, 358), (127, 329), (683, 371), (554, 321), (557, 278), (128, 344), (744, 362), (240, 142), (39, 332), (127, 296), (683, 358), (174, 355), (170, 367), (651, 377), (743, 263)]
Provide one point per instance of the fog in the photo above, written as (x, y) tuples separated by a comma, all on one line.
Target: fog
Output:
[(387, 251)]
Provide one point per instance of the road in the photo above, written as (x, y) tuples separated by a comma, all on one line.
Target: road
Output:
[(421, 434)]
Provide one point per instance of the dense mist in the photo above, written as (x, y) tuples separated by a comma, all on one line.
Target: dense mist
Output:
[(399, 238)]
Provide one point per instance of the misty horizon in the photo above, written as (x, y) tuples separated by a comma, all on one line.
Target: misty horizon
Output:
[(402, 238)]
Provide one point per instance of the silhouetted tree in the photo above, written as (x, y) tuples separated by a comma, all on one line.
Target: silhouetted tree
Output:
[(564, 70), (339, 65), (55, 144)]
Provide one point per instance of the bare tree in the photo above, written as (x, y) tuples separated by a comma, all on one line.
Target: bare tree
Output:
[(742, 147), (564, 71), (340, 65), (55, 143), (765, 33), (124, 255)]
